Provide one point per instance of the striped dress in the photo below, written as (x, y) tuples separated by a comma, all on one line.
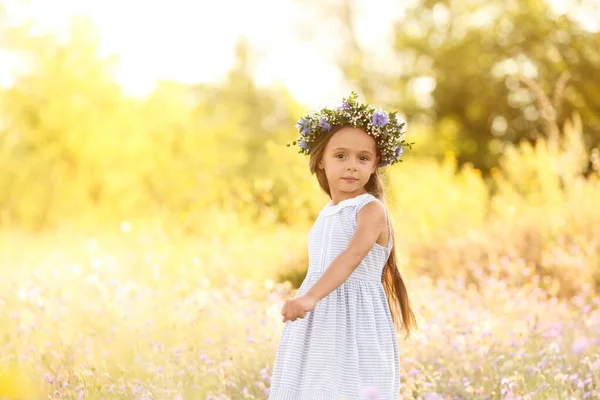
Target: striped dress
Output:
[(346, 348)]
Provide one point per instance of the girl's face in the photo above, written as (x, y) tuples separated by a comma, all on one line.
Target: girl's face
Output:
[(349, 159)]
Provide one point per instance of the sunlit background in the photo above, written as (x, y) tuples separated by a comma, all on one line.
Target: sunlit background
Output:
[(152, 219)]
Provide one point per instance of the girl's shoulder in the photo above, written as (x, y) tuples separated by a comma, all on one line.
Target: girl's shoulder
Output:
[(355, 202)]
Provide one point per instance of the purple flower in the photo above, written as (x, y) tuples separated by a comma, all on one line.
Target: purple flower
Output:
[(303, 126), (399, 152), (265, 374), (379, 118), (324, 124), (303, 145), (383, 164), (588, 381), (344, 106), (48, 377), (580, 344), (433, 396)]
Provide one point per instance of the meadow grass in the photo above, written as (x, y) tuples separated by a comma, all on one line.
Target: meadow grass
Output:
[(132, 316)]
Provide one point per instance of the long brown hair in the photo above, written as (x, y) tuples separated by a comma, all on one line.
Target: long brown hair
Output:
[(397, 295)]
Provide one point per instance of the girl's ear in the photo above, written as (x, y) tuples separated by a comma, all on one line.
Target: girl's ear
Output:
[(321, 163)]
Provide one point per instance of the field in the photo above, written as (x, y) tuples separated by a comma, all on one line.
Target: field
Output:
[(149, 240), (128, 316), (503, 275)]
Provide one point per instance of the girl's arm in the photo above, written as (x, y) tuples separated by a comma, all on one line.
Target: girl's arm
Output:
[(369, 222)]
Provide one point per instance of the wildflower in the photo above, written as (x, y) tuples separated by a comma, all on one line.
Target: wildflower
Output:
[(303, 144), (324, 124), (380, 118), (579, 345)]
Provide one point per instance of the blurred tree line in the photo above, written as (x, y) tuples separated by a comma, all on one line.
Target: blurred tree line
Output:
[(464, 70), (74, 147)]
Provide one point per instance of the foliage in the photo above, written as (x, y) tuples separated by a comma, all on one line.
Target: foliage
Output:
[(538, 220), (384, 127), (76, 150), (459, 68)]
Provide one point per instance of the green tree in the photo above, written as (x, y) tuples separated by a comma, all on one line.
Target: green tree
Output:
[(61, 120), (459, 66), (251, 126), (74, 148)]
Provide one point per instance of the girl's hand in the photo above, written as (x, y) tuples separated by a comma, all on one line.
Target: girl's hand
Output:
[(297, 308)]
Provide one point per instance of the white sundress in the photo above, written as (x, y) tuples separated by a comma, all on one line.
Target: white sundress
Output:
[(346, 348)]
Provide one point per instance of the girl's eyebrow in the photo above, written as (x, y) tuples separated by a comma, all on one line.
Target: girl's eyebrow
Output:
[(361, 151)]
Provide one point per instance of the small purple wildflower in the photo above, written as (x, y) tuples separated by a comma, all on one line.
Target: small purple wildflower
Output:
[(579, 345), (178, 397), (265, 374), (303, 126), (586, 309), (433, 396), (303, 145), (48, 378), (324, 124), (344, 106), (573, 377), (399, 152), (379, 118)]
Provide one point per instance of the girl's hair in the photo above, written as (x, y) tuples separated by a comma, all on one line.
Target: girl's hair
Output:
[(398, 300)]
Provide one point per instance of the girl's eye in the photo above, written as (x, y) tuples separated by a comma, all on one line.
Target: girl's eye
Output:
[(364, 158), (339, 155)]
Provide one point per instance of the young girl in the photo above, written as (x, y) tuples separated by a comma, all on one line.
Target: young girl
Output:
[(339, 341)]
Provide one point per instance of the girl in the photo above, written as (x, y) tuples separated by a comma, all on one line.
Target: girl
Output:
[(339, 340)]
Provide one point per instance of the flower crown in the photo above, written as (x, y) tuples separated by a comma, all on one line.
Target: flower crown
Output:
[(384, 127)]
